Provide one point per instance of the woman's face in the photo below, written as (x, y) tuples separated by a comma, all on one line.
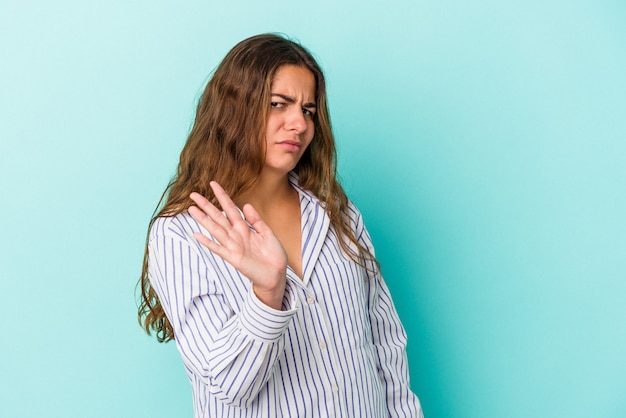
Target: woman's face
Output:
[(290, 126)]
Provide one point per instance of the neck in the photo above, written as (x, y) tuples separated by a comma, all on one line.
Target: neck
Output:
[(270, 189)]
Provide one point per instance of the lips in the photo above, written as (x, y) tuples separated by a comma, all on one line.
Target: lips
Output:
[(291, 144)]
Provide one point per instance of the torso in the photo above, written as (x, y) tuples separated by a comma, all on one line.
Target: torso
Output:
[(286, 226)]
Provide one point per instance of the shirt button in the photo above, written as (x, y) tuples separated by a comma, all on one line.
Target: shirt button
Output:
[(322, 344), (311, 300), (335, 388)]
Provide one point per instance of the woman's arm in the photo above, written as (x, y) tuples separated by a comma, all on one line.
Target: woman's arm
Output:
[(233, 349), (388, 336)]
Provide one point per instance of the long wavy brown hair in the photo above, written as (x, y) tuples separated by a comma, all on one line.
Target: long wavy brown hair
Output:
[(227, 144)]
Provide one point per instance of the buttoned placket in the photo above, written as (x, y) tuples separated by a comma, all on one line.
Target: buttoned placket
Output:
[(315, 222), (325, 354)]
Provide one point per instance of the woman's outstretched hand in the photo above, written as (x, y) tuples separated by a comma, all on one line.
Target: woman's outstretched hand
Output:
[(257, 255)]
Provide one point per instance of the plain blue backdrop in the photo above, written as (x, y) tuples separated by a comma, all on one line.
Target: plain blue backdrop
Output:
[(484, 141)]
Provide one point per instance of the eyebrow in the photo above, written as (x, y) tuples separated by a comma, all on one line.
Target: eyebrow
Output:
[(289, 99)]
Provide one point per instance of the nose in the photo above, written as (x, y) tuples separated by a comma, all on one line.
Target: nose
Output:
[(295, 121)]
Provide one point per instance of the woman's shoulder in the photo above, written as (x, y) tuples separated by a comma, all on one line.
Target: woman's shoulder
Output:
[(350, 210), (181, 225), (354, 216)]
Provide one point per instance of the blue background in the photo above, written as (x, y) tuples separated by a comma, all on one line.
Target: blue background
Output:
[(484, 142)]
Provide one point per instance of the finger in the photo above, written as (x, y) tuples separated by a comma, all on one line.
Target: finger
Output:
[(209, 208), (229, 207), (254, 219), (212, 245), (217, 231)]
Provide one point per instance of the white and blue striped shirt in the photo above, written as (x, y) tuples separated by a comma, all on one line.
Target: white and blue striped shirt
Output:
[(336, 349)]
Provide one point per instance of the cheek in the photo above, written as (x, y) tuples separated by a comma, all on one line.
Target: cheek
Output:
[(310, 130), (270, 126)]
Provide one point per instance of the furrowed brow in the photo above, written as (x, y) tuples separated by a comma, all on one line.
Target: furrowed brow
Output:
[(289, 99), (285, 98)]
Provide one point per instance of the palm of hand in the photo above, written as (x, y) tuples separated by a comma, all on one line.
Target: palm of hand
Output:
[(257, 255), (255, 252)]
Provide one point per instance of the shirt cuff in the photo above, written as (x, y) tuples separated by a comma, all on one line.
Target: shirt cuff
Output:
[(265, 323)]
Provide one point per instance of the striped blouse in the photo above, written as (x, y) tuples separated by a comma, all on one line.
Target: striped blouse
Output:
[(336, 349)]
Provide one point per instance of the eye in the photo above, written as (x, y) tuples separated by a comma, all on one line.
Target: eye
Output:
[(276, 105), (308, 112)]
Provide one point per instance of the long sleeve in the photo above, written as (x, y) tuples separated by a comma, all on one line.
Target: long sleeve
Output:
[(389, 338), (226, 336)]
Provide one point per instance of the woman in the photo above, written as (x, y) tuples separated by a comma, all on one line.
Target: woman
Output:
[(278, 309)]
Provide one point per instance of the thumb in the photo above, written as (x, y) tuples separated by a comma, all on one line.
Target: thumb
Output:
[(254, 219)]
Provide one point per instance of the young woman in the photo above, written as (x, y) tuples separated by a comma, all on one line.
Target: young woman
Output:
[(259, 267)]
